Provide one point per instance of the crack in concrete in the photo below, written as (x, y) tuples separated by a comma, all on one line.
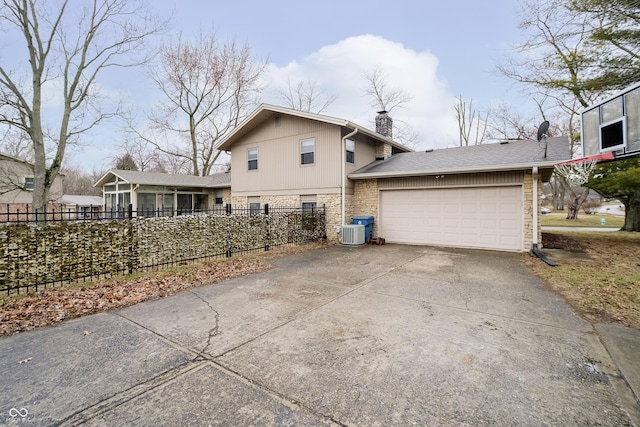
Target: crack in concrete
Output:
[(215, 330), (123, 396)]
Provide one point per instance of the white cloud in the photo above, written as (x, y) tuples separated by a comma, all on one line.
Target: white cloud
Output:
[(339, 70)]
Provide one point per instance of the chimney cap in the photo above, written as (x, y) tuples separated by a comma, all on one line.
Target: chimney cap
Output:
[(382, 112)]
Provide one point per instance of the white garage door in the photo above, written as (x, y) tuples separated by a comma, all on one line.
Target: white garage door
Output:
[(481, 217)]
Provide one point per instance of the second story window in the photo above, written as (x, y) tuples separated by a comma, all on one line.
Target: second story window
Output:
[(252, 158), (351, 151), (307, 151)]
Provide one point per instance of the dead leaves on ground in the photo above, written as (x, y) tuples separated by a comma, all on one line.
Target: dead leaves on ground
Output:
[(55, 305)]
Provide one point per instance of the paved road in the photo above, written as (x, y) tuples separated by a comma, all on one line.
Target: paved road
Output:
[(366, 336), (562, 228)]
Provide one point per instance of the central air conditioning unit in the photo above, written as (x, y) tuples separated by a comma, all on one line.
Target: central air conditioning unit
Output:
[(353, 234)]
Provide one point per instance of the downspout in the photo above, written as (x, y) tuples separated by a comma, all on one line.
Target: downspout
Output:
[(344, 173), (534, 247), (534, 176)]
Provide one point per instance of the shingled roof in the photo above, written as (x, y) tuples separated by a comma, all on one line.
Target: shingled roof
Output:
[(217, 180), (508, 155)]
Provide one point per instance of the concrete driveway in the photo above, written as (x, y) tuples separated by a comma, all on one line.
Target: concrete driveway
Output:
[(366, 336)]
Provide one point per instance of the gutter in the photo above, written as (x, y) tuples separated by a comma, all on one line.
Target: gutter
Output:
[(424, 172), (343, 178)]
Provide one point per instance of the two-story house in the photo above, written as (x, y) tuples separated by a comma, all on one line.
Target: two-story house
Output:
[(16, 182), (281, 156), (482, 196)]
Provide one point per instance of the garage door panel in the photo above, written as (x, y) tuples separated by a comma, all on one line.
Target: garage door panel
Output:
[(486, 217)]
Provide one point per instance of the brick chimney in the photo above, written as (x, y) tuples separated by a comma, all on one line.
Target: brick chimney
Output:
[(384, 124)]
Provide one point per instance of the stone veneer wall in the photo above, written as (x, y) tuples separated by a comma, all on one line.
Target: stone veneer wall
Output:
[(332, 203), (365, 201), (383, 151), (226, 195), (528, 211)]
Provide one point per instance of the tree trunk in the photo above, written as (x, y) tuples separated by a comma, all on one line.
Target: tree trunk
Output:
[(632, 213), (572, 210)]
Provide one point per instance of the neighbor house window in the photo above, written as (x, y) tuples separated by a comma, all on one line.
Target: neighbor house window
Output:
[(307, 151), (252, 159), (351, 151), (28, 182)]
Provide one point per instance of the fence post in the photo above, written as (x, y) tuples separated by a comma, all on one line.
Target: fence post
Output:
[(268, 224), (130, 210), (130, 238), (229, 231), (324, 220)]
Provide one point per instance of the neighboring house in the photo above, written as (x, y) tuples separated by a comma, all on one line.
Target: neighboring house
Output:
[(478, 197), (16, 182), (151, 192), (86, 207)]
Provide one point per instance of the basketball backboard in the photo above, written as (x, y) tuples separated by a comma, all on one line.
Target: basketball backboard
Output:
[(613, 125)]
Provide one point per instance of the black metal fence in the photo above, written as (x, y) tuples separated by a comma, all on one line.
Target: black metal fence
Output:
[(57, 247), (10, 214)]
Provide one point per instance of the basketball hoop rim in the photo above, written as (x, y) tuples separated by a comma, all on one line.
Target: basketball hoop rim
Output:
[(589, 159)]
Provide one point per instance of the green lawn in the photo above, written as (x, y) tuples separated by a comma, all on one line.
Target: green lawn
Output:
[(557, 219)]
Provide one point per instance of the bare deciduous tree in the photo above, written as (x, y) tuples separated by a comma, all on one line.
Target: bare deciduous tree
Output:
[(382, 97), (208, 89), (472, 126), (15, 143), (145, 156), (553, 59), (79, 182), (305, 96), (66, 49)]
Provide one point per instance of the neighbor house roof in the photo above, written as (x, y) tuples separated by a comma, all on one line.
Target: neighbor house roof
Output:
[(266, 111), (217, 180), (69, 199), (507, 155)]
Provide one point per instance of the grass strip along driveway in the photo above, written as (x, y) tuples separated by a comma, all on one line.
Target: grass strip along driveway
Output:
[(605, 288)]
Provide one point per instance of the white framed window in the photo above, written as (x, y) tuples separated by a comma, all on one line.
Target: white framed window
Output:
[(351, 151), (307, 151), (252, 159), (613, 135), (28, 182)]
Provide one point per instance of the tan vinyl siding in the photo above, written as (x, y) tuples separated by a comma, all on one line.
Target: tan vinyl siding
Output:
[(461, 180), (279, 167), (365, 153)]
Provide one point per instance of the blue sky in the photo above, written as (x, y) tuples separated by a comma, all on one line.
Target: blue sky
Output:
[(433, 50)]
